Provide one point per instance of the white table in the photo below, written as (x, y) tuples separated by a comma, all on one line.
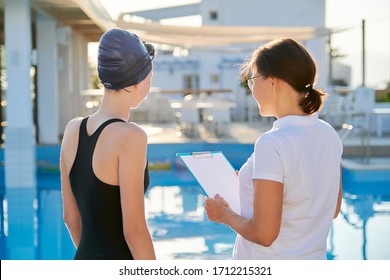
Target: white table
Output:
[(204, 105)]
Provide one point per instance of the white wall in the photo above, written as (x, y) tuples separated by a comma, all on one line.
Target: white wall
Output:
[(266, 13), (249, 12), (274, 13)]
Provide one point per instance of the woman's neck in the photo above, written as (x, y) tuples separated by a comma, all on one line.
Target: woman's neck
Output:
[(288, 103)]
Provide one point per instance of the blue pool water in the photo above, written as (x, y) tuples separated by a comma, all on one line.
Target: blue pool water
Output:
[(31, 225)]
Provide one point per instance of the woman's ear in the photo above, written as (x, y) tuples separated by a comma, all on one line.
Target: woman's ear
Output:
[(274, 81)]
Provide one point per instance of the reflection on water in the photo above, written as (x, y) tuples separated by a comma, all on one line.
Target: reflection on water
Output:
[(180, 228), (3, 224), (362, 229), (32, 226)]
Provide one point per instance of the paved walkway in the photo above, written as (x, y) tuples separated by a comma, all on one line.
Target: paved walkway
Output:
[(248, 132), (232, 133)]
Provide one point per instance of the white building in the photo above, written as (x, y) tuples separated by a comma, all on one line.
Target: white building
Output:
[(217, 67), (213, 66)]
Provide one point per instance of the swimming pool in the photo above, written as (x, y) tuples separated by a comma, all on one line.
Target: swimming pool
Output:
[(32, 226)]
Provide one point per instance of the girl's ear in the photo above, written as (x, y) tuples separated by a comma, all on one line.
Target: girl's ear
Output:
[(134, 87)]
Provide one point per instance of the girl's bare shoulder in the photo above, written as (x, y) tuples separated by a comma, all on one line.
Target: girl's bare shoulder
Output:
[(129, 133), (73, 125)]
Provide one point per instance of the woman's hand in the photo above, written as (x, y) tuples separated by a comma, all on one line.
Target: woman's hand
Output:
[(217, 209), (264, 226)]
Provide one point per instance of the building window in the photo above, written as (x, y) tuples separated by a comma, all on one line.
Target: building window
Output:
[(213, 15), (191, 81), (214, 78)]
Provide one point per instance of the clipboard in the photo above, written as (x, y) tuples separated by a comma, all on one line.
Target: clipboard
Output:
[(215, 175)]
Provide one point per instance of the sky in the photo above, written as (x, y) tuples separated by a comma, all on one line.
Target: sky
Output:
[(339, 13), (344, 13)]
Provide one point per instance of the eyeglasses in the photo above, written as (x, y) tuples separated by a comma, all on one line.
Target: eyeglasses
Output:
[(251, 81)]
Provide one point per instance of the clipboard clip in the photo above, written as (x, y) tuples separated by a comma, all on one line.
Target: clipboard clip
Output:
[(199, 155)]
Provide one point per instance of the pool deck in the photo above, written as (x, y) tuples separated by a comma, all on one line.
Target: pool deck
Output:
[(235, 132), (248, 132)]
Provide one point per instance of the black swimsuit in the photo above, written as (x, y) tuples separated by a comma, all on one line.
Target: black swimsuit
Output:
[(99, 204)]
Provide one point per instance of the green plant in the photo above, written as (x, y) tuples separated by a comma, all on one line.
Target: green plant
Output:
[(383, 95)]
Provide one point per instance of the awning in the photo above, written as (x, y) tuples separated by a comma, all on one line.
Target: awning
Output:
[(86, 17), (213, 35)]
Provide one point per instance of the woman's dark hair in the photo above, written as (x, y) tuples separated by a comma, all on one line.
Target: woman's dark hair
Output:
[(289, 61)]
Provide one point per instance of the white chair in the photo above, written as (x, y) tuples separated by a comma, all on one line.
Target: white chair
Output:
[(336, 109), (160, 109), (188, 121), (363, 102), (218, 117), (358, 120), (187, 117)]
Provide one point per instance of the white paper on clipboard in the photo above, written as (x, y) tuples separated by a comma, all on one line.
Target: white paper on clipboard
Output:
[(215, 175)]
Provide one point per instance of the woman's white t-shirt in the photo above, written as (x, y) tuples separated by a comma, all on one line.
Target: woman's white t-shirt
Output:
[(304, 153)]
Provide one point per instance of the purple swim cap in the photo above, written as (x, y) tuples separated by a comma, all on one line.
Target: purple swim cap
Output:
[(123, 60)]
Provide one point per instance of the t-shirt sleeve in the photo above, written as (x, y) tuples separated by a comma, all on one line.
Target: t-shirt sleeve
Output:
[(267, 162)]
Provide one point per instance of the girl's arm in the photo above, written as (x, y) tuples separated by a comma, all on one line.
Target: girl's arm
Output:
[(132, 162), (70, 209)]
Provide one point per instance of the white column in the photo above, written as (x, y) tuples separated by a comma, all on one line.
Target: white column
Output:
[(65, 83), (74, 72), (20, 165), (20, 132), (48, 117)]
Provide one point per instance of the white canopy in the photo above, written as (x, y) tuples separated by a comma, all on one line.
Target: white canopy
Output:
[(213, 35)]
